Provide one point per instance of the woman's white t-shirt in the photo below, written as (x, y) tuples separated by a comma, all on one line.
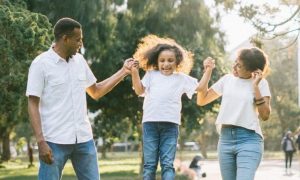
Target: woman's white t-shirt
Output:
[(237, 106), (163, 95)]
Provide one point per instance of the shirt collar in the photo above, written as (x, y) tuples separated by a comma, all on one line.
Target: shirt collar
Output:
[(56, 57)]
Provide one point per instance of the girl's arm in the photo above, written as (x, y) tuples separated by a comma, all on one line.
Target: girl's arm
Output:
[(205, 95), (136, 80)]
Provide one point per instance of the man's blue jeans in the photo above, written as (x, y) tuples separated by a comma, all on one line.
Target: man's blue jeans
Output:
[(82, 155), (159, 143), (240, 151)]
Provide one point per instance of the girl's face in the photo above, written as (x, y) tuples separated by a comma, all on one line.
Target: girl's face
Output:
[(167, 62), (240, 71)]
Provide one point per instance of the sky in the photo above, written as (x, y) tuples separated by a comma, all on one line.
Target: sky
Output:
[(236, 30)]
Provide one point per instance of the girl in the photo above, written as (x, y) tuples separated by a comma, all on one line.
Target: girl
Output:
[(246, 97), (162, 86)]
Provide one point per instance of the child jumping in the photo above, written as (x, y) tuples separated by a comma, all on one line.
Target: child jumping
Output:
[(166, 64)]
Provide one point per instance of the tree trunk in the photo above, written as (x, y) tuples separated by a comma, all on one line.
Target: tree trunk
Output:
[(203, 144), (30, 152), (5, 147), (103, 149), (140, 149)]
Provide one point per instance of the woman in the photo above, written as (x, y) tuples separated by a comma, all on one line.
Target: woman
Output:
[(245, 101), (289, 148)]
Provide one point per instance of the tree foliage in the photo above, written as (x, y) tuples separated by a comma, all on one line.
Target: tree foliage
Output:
[(283, 85), (23, 35)]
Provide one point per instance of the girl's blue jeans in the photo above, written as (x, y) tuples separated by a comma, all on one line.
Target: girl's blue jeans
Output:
[(159, 144), (82, 155), (240, 152)]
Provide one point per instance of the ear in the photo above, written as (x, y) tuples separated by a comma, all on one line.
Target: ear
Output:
[(64, 38)]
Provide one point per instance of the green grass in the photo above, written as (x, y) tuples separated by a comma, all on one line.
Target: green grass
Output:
[(118, 166)]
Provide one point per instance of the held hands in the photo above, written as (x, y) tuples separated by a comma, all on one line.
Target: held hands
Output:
[(256, 77), (208, 63), (127, 65), (45, 153), (130, 65)]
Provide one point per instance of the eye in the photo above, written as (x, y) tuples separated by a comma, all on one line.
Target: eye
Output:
[(171, 60), (161, 60)]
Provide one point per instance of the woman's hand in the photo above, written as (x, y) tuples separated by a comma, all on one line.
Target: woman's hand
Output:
[(256, 76)]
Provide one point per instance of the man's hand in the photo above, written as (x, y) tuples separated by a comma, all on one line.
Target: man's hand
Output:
[(45, 152)]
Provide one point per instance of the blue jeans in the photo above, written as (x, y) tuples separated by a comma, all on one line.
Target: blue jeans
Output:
[(240, 151), (159, 143), (82, 155)]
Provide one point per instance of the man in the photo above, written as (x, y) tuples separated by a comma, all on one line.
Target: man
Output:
[(57, 84)]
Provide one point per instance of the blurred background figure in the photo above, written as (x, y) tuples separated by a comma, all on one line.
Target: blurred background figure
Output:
[(288, 147), (196, 166)]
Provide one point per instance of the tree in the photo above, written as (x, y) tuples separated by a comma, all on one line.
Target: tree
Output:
[(283, 83), (23, 35), (271, 20)]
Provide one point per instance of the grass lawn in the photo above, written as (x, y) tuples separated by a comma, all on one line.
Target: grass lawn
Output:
[(118, 166)]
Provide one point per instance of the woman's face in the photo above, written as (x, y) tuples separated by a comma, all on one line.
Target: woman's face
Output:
[(240, 71), (167, 62)]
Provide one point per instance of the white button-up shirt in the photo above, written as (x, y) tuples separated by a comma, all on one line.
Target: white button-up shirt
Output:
[(61, 87)]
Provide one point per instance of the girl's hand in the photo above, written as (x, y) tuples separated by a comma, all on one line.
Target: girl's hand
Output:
[(256, 76), (135, 66), (208, 63)]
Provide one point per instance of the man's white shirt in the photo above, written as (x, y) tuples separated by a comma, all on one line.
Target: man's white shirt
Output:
[(61, 87)]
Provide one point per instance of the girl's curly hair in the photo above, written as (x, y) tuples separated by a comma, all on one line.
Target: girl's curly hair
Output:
[(151, 46)]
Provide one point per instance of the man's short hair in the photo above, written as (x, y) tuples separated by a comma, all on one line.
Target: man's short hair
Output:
[(65, 26)]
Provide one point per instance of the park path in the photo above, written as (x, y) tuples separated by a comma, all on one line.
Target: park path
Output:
[(268, 170)]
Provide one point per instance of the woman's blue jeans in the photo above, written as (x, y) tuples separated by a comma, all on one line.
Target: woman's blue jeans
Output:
[(240, 152), (82, 155), (159, 143)]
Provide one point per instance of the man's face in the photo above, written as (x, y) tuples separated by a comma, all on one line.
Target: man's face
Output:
[(74, 42)]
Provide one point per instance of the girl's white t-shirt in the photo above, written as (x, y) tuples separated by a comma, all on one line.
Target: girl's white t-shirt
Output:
[(163, 95), (237, 106)]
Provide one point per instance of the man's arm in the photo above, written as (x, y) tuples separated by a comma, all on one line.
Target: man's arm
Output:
[(98, 90), (45, 152)]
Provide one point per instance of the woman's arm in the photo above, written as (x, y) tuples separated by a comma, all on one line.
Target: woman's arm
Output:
[(205, 95), (262, 103)]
